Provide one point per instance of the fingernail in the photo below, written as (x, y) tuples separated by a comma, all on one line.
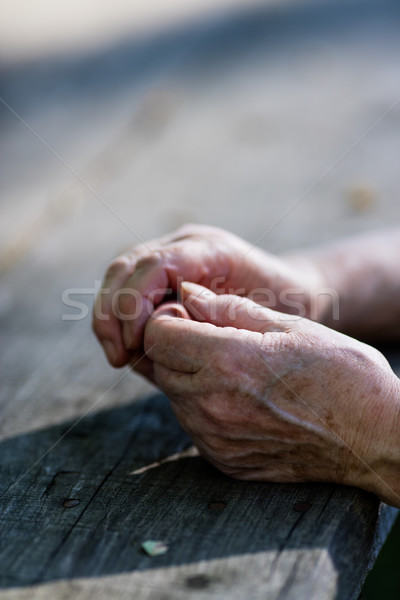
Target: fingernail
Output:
[(126, 334), (110, 351), (171, 310), (194, 289)]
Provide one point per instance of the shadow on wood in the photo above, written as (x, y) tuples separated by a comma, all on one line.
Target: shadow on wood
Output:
[(71, 507)]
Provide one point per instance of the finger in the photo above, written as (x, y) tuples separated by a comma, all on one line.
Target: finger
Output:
[(159, 274), (229, 310), (105, 323), (179, 343), (141, 364), (106, 320), (136, 301), (145, 289), (171, 309)]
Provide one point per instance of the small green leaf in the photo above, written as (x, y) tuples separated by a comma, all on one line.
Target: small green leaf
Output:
[(154, 547)]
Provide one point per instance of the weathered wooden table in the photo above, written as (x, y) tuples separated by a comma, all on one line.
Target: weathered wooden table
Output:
[(271, 123), (75, 515)]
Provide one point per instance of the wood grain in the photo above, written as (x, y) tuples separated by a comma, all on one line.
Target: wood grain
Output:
[(231, 122), (78, 514)]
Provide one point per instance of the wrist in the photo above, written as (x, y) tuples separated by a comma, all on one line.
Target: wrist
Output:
[(378, 468), (319, 299)]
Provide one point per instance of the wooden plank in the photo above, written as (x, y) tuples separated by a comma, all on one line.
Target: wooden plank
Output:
[(225, 537), (235, 82), (222, 534)]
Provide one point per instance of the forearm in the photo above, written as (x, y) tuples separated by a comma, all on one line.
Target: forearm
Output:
[(363, 274)]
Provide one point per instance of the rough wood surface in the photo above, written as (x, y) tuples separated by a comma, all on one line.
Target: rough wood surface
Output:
[(141, 129), (80, 513)]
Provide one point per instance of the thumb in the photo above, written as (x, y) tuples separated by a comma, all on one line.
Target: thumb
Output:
[(170, 309), (229, 310)]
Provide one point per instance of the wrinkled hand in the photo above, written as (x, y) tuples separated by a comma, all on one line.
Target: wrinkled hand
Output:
[(142, 278), (268, 396)]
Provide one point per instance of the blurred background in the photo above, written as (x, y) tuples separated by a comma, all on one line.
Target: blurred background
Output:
[(279, 121)]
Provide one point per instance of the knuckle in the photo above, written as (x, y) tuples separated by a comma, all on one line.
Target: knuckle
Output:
[(118, 264), (187, 230), (150, 260)]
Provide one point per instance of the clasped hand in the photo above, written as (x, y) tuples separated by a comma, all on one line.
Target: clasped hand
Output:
[(264, 394)]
